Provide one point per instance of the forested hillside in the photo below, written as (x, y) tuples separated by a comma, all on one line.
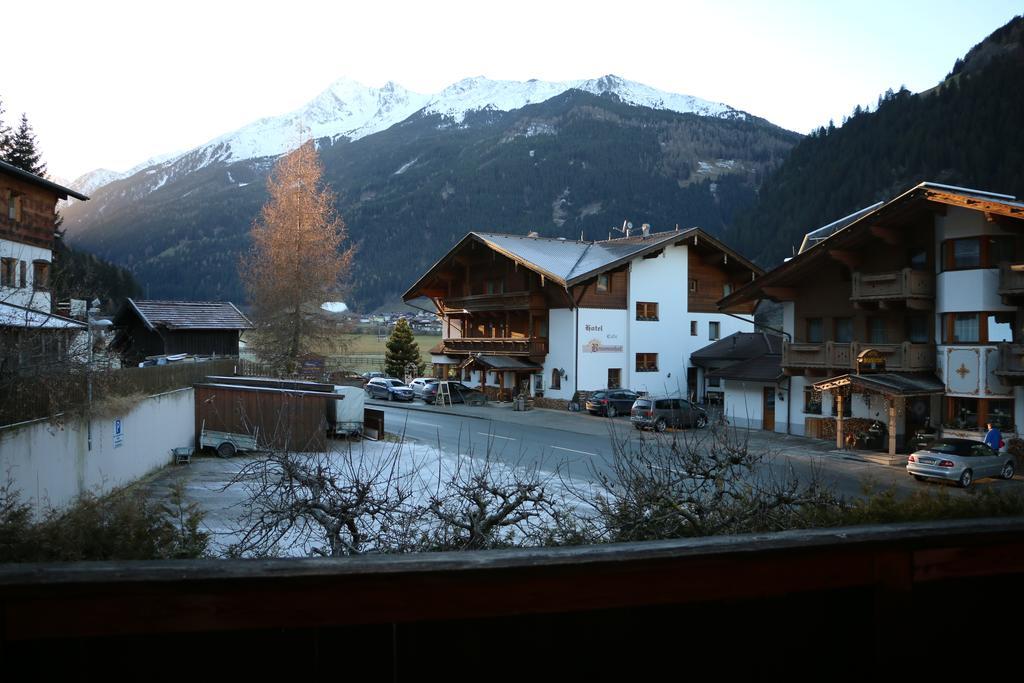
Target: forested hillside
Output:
[(967, 131)]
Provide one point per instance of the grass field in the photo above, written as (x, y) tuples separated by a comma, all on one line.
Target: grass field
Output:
[(368, 343)]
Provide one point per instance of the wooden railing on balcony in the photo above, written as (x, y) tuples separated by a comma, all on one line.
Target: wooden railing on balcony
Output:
[(507, 346), (1011, 279), (624, 606), (1011, 361), (902, 357), (508, 301), (893, 286)]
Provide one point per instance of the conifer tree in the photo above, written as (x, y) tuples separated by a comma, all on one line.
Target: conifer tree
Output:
[(402, 351), (296, 263), (5, 134), (23, 150)]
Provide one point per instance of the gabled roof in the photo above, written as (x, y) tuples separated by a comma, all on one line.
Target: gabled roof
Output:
[(12, 315), (185, 315), (569, 262), (854, 230), (59, 190)]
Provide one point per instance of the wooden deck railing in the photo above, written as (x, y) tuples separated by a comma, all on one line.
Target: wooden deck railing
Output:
[(903, 357), (510, 346), (893, 286), (854, 595), (507, 301), (1011, 279)]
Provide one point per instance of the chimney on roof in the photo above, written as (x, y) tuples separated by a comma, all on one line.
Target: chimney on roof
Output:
[(646, 228)]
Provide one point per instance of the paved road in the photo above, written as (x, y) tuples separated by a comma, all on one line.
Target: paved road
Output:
[(579, 452)]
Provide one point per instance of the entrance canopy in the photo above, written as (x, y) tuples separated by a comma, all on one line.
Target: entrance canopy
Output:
[(887, 383), (504, 363)]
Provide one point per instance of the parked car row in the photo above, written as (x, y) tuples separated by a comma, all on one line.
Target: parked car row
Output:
[(646, 412), (425, 388)]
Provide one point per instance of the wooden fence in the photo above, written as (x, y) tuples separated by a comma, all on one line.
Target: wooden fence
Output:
[(30, 397), (850, 599)]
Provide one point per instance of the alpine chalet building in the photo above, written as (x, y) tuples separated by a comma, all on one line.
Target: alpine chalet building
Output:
[(553, 316), (906, 313)]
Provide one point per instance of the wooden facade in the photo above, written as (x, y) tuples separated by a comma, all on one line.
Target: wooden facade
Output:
[(281, 418), (140, 342), (710, 279), (33, 208), (615, 294)]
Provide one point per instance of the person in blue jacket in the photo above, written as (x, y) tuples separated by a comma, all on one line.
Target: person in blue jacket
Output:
[(993, 438)]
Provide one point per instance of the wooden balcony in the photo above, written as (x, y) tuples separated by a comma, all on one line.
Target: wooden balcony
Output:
[(504, 346), (841, 357), (912, 288), (508, 301), (1011, 280), (864, 588), (1011, 363)]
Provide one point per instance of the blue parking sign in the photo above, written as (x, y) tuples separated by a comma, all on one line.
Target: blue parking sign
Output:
[(118, 433)]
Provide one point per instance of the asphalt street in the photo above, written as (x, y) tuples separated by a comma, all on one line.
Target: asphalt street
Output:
[(581, 453)]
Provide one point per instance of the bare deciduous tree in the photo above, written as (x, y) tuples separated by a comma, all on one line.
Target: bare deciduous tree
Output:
[(296, 262)]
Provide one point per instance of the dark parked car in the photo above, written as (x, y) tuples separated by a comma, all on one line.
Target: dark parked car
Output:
[(459, 392), (660, 413), (611, 402), (390, 389), (959, 460)]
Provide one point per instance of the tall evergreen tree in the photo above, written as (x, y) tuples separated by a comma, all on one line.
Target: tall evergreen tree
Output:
[(23, 150), (5, 134), (402, 351)]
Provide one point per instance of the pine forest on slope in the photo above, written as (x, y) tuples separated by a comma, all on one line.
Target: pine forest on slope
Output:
[(966, 131)]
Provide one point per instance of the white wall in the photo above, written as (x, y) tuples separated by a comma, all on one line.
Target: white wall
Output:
[(52, 465), (744, 403), (24, 296), (664, 280), (561, 342), (968, 290), (610, 329)]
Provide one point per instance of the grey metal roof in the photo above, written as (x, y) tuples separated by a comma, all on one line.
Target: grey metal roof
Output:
[(765, 368), (59, 190), (821, 234), (568, 261), (187, 315), (739, 346)]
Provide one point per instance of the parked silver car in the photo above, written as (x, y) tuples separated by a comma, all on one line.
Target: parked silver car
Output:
[(959, 460), (419, 384)]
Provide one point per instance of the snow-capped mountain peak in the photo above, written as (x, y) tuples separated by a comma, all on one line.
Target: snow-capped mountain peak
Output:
[(347, 108)]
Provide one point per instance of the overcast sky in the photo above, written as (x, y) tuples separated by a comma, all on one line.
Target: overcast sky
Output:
[(110, 84)]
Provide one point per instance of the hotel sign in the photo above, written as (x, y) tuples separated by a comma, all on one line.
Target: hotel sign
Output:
[(870, 360), (600, 341)]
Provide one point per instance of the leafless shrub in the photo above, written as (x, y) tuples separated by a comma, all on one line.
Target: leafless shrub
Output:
[(484, 504), (699, 483), (329, 504)]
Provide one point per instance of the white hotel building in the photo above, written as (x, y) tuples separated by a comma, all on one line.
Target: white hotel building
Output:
[(559, 316)]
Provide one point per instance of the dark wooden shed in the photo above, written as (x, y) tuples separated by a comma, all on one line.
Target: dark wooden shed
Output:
[(282, 414), (157, 328)]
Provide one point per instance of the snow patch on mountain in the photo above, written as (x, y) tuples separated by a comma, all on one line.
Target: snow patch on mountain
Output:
[(347, 109)]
